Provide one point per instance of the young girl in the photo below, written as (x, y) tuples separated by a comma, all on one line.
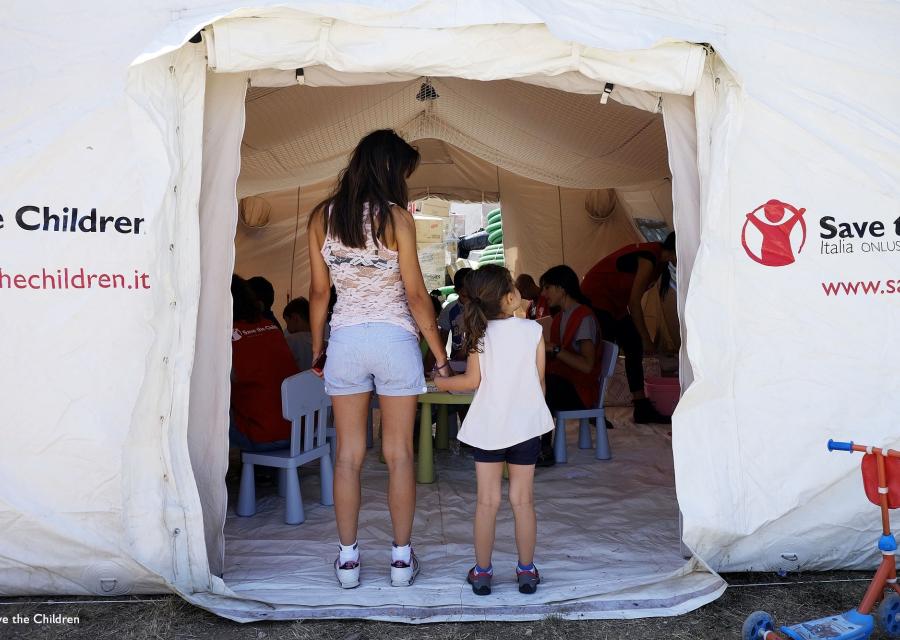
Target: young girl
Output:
[(507, 417)]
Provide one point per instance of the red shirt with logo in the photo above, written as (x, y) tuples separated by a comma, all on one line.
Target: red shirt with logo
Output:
[(260, 361), (608, 284)]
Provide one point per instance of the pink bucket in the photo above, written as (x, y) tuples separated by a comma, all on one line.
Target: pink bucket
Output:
[(663, 393)]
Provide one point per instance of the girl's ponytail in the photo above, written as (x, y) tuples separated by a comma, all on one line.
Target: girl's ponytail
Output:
[(486, 287), (475, 322)]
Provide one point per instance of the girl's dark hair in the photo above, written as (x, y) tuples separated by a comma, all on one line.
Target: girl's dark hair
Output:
[(665, 278), (486, 287), (376, 175), (245, 307), (566, 279)]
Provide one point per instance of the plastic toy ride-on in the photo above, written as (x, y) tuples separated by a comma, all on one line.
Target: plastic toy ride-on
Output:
[(881, 479)]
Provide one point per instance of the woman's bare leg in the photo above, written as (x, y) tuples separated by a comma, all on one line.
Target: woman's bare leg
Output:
[(350, 414), (398, 414)]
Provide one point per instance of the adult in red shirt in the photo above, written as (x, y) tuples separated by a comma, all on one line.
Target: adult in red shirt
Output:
[(260, 361), (615, 287)]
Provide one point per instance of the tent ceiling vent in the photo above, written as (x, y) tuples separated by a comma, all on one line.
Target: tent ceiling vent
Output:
[(427, 92), (255, 211), (600, 204)]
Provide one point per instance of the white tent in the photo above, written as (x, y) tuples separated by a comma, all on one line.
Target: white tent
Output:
[(115, 399)]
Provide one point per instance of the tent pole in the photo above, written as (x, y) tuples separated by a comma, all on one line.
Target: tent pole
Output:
[(290, 295)]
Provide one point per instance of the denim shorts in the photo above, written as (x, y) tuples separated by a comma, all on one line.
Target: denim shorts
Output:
[(375, 356), (523, 453)]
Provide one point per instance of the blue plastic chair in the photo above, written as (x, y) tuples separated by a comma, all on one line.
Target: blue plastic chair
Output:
[(608, 365), (305, 403)]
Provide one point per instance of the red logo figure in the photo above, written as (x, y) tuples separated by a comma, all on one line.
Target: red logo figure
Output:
[(776, 249)]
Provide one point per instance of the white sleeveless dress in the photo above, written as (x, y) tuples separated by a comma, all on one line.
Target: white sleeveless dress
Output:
[(508, 407)]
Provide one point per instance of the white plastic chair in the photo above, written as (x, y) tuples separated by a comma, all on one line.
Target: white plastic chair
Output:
[(608, 364), (305, 404)]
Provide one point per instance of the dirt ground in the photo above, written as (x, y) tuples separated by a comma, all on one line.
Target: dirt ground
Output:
[(793, 598)]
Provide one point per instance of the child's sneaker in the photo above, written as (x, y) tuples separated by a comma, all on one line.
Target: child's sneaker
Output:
[(528, 580), (403, 573), (480, 581), (347, 573)]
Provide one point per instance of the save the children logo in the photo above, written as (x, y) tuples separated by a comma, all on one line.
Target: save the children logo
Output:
[(774, 233)]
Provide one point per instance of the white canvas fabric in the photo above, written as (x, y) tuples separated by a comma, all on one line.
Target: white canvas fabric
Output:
[(113, 420)]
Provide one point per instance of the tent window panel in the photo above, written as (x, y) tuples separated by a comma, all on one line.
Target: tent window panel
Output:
[(652, 230)]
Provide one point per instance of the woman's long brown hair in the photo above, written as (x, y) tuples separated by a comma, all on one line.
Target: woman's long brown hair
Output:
[(376, 175), (486, 286)]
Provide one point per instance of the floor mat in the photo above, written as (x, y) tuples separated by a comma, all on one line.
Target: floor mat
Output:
[(608, 544)]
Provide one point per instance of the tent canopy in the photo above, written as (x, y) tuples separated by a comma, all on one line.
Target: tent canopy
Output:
[(300, 135)]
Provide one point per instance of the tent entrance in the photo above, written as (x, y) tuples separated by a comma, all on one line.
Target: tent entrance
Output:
[(609, 539), (679, 584)]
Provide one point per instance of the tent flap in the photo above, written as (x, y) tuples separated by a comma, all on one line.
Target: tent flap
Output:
[(483, 52)]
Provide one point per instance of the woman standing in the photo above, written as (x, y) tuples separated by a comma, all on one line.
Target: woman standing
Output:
[(615, 287), (363, 240)]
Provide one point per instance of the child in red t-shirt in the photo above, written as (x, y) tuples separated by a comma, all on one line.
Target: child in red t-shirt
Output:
[(260, 361)]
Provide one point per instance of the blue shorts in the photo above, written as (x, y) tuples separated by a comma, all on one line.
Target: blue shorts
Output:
[(523, 453), (375, 356)]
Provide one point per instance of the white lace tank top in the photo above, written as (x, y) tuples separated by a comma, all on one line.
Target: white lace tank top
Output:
[(368, 283)]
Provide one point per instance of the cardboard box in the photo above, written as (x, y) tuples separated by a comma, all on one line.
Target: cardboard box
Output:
[(429, 229), (434, 207), (431, 256), (433, 281), (433, 262)]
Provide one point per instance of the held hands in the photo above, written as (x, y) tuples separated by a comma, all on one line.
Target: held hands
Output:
[(318, 363), (442, 371), (440, 374)]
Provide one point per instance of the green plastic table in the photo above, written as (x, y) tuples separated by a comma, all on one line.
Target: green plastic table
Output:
[(425, 466)]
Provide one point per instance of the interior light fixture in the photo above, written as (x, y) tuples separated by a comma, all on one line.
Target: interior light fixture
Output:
[(427, 92)]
